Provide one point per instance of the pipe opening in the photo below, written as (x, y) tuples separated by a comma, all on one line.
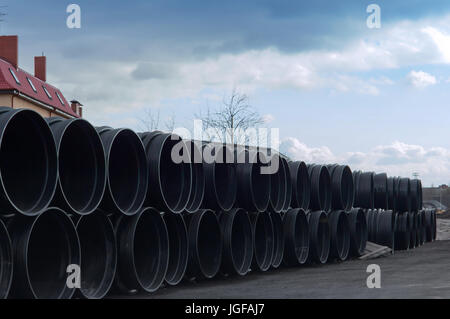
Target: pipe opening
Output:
[(151, 248), (209, 243), (82, 173), (28, 164), (264, 233), (178, 248), (53, 245), (126, 168), (98, 255), (172, 176), (241, 243), (278, 240)]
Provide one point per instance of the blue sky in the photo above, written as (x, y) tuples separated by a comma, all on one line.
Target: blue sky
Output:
[(376, 99)]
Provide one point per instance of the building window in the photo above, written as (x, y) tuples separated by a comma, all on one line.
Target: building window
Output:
[(59, 98), (14, 76), (47, 92), (32, 85)]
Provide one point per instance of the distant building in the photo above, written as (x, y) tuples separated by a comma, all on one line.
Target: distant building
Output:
[(439, 194), (20, 89)]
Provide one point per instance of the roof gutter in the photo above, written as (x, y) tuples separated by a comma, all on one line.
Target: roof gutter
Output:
[(43, 105)]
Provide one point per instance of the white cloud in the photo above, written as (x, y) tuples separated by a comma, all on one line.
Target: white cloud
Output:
[(396, 159), (420, 79)]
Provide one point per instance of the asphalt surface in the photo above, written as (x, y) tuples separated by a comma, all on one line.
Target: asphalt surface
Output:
[(423, 272)]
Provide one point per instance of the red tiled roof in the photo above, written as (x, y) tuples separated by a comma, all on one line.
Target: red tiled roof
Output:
[(7, 82)]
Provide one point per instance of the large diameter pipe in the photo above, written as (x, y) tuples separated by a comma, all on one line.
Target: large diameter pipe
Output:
[(220, 177), (404, 195), (319, 237), (392, 193), (278, 239), (178, 248), (412, 234), (98, 254), (44, 247), (126, 171), (263, 241), (320, 187), (82, 167), (205, 245), (380, 190), (358, 231), (6, 262), (364, 189), (342, 189), (143, 251), (340, 235), (28, 162), (402, 232), (278, 186), (198, 177), (416, 194), (288, 193), (301, 185), (386, 228), (170, 171), (296, 237), (253, 192), (237, 242)]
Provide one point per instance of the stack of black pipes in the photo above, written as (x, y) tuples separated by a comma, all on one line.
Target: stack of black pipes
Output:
[(93, 211)]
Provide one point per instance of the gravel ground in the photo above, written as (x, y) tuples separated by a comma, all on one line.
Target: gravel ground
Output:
[(419, 273)]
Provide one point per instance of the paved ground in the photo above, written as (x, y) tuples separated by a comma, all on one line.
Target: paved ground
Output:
[(420, 273)]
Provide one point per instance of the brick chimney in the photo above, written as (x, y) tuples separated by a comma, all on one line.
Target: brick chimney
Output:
[(77, 107), (40, 67), (9, 49)]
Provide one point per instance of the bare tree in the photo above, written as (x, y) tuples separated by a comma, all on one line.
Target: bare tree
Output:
[(231, 119), (150, 120), (170, 123)]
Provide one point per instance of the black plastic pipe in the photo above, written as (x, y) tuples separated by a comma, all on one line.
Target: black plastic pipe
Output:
[(143, 251), (419, 225), (340, 235), (220, 177), (412, 234), (28, 162), (82, 167), (6, 262), (263, 241), (415, 186), (44, 247), (126, 171), (380, 191), (237, 242), (205, 245), (320, 187), (319, 237), (386, 228), (288, 193), (198, 177), (253, 184), (301, 185), (278, 239), (170, 171), (278, 186), (98, 255), (404, 195), (364, 189), (402, 232), (358, 231), (342, 188), (392, 193), (296, 237), (178, 248)]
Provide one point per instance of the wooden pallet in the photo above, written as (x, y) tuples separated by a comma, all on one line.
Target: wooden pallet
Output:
[(374, 251)]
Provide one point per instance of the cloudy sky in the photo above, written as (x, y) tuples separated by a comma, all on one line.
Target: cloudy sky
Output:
[(376, 99)]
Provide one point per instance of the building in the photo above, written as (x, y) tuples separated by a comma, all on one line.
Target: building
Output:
[(20, 89), (439, 194)]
